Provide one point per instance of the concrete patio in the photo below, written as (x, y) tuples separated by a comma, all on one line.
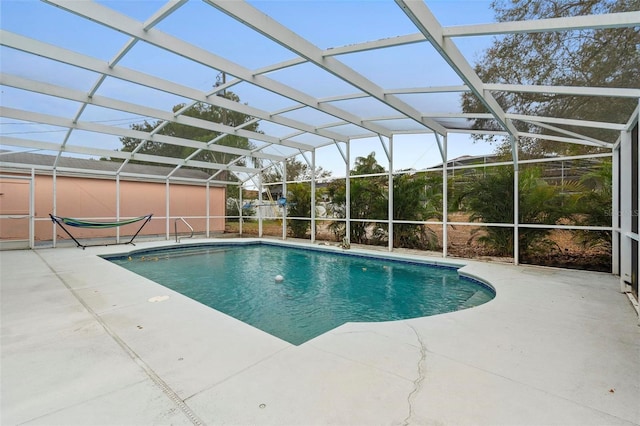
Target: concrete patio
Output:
[(83, 343)]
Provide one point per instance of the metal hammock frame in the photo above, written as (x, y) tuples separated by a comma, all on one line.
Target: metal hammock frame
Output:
[(78, 223)]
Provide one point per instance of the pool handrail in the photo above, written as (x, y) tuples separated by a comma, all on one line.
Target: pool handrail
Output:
[(175, 227)]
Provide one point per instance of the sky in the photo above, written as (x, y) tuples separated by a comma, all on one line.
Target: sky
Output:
[(326, 24)]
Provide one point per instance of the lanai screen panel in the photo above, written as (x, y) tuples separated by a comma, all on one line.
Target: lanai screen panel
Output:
[(321, 72)]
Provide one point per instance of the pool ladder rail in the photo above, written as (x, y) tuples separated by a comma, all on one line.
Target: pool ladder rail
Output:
[(175, 227)]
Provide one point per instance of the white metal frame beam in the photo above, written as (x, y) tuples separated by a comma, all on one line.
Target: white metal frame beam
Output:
[(588, 140), (59, 54), (53, 120), (609, 20), (123, 155), (428, 25), (119, 22), (613, 92), (262, 23), (105, 102), (567, 121), (430, 30), (154, 20)]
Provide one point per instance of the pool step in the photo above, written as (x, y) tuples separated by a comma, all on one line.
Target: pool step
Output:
[(171, 254), (477, 298)]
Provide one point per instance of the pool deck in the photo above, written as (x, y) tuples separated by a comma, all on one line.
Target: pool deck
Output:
[(83, 342)]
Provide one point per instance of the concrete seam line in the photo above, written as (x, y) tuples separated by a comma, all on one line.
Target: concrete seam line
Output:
[(165, 388)]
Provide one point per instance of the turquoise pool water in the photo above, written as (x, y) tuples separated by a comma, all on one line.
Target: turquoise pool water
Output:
[(319, 290)]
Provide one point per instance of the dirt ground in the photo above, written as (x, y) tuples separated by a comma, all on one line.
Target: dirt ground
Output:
[(564, 251)]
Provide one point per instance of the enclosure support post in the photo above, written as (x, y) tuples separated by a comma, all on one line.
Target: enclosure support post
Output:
[(260, 189), (390, 203), (626, 207), (118, 207), (632, 131), (207, 209), (516, 200), (615, 212), (32, 210), (347, 184), (167, 218), (313, 196), (240, 210), (284, 194), (445, 192), (55, 206)]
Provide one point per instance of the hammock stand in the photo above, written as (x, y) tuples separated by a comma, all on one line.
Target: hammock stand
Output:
[(61, 221)]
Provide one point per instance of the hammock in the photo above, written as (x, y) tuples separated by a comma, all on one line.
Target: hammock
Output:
[(61, 221)]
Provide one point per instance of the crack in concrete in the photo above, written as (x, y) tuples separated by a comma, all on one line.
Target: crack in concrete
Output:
[(417, 383)]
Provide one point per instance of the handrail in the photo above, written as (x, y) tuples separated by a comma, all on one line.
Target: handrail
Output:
[(175, 227)]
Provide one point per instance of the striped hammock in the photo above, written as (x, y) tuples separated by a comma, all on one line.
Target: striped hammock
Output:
[(98, 225), (62, 221)]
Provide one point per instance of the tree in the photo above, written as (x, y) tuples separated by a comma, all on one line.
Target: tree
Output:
[(233, 208), (600, 58), (204, 112), (296, 171), (299, 193)]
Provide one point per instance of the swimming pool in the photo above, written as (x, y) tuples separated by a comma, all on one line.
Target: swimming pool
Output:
[(318, 291)]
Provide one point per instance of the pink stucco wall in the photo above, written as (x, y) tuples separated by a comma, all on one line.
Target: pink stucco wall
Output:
[(95, 199)]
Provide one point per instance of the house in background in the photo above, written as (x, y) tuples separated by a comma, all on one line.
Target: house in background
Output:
[(28, 194)]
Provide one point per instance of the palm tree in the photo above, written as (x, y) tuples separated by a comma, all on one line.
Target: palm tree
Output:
[(592, 205), (488, 196), (368, 199), (416, 198), (298, 205)]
